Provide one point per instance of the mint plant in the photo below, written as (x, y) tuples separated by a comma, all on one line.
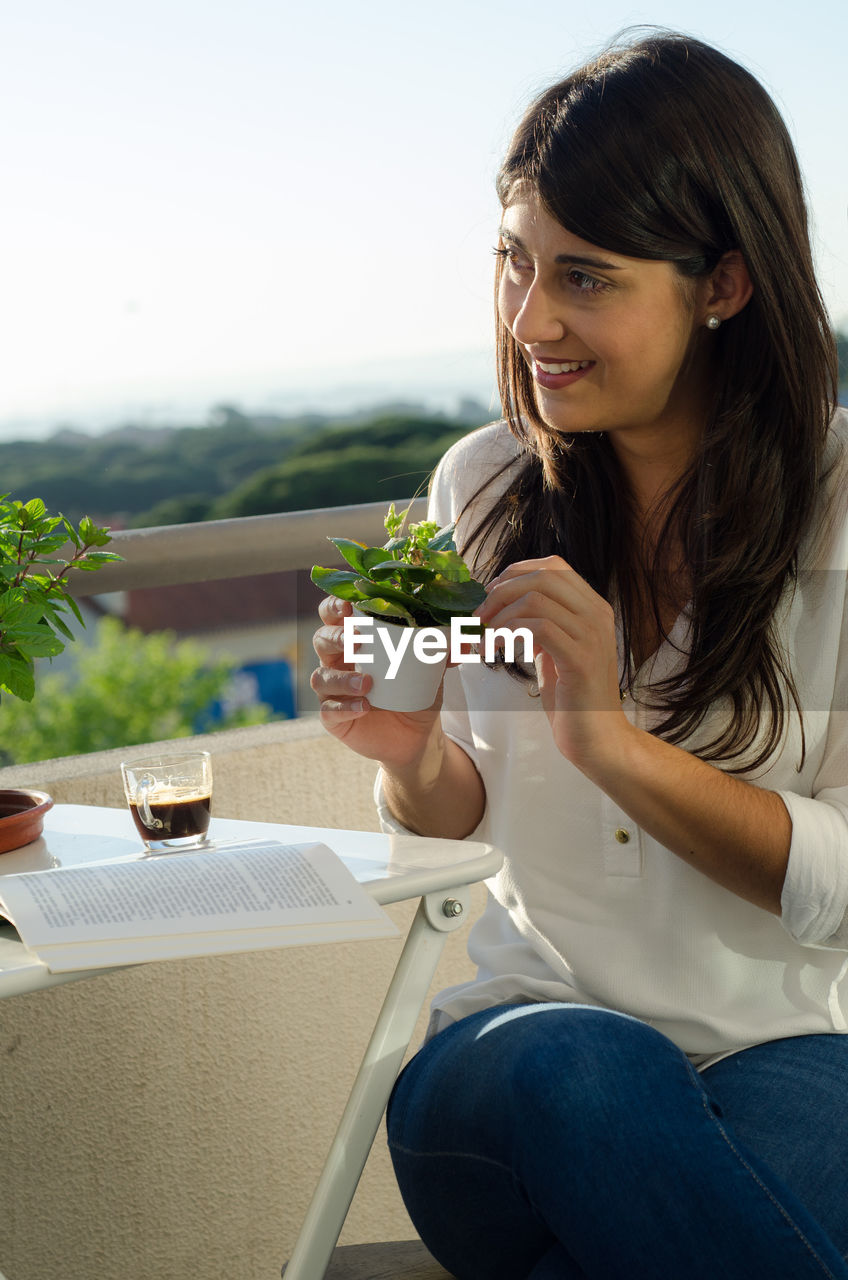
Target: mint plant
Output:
[(417, 579), (33, 586)]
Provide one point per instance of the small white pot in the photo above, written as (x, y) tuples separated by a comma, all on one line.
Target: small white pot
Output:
[(414, 683)]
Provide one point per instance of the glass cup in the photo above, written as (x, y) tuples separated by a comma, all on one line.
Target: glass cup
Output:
[(170, 799)]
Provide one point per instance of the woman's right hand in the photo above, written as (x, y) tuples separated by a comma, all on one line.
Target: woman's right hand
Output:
[(396, 738)]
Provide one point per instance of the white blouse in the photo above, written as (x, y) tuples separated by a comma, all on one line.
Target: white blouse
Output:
[(590, 909)]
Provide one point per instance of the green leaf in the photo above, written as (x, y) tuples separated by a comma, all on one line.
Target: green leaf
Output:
[(92, 534), (422, 532), (337, 582), (73, 535), (352, 551), (35, 508), (443, 541), (393, 520), (48, 543), (33, 623), (91, 562), (93, 559), (74, 608), (396, 544), (381, 608), (397, 569), (14, 611), (39, 643), (19, 679), (449, 564), (379, 590), (52, 615), (373, 556), (458, 597)]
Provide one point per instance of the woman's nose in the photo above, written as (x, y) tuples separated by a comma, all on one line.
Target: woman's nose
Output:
[(538, 319)]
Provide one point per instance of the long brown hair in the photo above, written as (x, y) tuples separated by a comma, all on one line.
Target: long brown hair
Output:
[(667, 149)]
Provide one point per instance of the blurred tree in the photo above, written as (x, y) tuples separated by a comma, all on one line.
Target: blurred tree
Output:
[(131, 469), (145, 476), (191, 508), (384, 431), (352, 468), (126, 688)]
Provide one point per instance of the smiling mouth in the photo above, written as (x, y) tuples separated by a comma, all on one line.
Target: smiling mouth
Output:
[(559, 375), (569, 366)]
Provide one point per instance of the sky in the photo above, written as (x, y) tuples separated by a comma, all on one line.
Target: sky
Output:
[(260, 203)]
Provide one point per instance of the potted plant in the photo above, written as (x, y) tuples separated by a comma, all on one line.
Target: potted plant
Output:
[(33, 600), (416, 580)]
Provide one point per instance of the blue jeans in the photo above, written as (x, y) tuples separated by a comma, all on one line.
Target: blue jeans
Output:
[(551, 1141)]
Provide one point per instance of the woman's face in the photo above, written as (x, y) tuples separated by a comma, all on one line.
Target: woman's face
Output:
[(614, 344)]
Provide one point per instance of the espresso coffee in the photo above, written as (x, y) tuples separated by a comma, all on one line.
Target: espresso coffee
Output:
[(174, 819)]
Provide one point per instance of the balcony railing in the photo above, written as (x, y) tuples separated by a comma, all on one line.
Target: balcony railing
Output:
[(216, 549)]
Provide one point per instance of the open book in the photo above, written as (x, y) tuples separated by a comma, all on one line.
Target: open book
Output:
[(233, 897)]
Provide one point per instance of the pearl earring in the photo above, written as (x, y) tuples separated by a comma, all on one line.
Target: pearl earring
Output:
[(713, 322)]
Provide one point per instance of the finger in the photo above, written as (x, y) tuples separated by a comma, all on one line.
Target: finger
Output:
[(565, 636), (335, 683), (552, 580), (564, 587), (335, 715), (328, 643), (542, 563), (332, 609), (538, 612)]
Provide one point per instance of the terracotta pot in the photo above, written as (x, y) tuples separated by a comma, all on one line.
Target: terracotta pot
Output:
[(22, 817)]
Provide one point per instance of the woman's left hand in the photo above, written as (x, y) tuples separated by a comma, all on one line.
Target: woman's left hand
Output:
[(575, 654)]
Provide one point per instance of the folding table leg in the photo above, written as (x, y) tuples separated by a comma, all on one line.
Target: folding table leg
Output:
[(438, 914)]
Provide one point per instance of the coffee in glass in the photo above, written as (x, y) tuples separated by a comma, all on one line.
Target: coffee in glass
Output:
[(170, 799)]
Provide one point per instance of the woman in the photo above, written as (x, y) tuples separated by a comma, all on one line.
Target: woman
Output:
[(646, 1077)]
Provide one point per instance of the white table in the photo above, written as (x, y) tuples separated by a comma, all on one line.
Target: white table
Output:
[(392, 869)]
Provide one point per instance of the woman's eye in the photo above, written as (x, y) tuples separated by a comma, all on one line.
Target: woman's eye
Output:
[(585, 283), (507, 254)]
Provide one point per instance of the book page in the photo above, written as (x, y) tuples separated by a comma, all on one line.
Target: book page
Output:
[(240, 897)]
